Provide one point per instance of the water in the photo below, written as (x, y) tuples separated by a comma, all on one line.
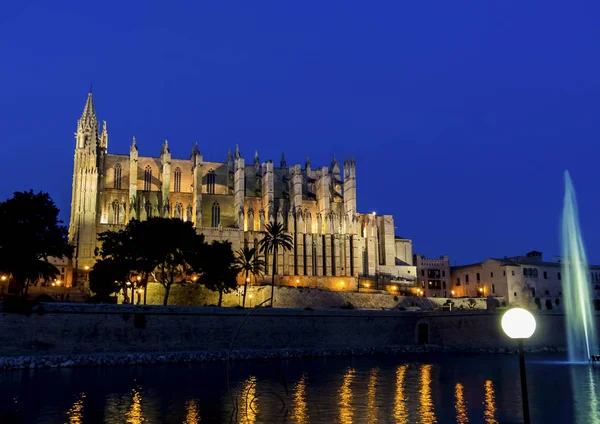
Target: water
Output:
[(431, 388), (581, 334)]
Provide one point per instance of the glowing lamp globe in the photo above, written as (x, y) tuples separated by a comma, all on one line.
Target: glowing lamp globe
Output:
[(518, 323)]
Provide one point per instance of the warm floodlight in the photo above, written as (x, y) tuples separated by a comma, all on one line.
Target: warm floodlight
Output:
[(518, 323)]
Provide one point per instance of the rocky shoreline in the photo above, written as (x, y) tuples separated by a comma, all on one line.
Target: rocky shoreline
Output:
[(125, 359)]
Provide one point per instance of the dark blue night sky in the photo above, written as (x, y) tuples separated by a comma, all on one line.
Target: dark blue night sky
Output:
[(462, 115)]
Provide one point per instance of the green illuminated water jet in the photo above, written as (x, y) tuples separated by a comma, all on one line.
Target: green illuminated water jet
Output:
[(581, 334)]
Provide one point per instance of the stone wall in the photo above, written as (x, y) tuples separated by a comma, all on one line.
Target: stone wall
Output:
[(72, 329), (301, 297)]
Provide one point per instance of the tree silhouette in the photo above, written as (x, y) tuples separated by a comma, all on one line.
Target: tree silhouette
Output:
[(30, 233), (275, 239), (219, 269), (247, 260)]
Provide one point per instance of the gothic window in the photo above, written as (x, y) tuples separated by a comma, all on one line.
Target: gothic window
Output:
[(559, 276), (149, 208), (525, 272), (210, 182), (493, 289), (177, 180), (458, 281), (117, 182), (216, 214), (148, 179), (115, 211), (314, 258)]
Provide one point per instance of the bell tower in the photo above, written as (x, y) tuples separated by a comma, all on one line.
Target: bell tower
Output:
[(83, 221)]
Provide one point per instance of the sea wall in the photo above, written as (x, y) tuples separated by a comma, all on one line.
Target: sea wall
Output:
[(301, 297), (75, 330)]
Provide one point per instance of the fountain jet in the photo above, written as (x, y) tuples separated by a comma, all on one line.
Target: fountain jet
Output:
[(581, 335)]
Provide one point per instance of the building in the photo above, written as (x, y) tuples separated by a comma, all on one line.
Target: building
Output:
[(233, 200), (433, 275), (516, 279)]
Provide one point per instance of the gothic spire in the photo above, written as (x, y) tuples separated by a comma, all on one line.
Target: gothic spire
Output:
[(229, 157), (237, 151), (165, 147), (307, 165), (283, 164), (89, 113), (133, 144)]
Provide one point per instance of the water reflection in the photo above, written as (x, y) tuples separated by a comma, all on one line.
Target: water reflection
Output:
[(192, 412), (299, 414), (584, 387), (75, 414), (346, 409), (400, 410), (490, 403), (134, 416), (248, 406), (371, 395), (460, 404), (426, 410)]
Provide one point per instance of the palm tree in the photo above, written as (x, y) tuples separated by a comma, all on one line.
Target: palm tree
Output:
[(275, 239), (247, 260)]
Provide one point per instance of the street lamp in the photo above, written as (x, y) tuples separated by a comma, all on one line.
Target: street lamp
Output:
[(519, 324)]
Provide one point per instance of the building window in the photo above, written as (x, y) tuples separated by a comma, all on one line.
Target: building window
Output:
[(559, 276), (314, 259), (444, 285), (515, 293), (115, 210), (117, 183), (177, 180), (545, 275), (422, 273), (491, 275), (526, 272), (534, 272), (210, 182), (148, 178), (216, 214), (513, 272), (458, 281), (504, 273), (493, 289), (478, 277), (466, 278), (443, 273), (149, 209)]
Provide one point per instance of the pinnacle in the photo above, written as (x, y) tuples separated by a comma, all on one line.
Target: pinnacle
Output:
[(89, 113)]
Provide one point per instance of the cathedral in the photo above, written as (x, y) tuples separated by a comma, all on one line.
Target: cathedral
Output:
[(335, 246)]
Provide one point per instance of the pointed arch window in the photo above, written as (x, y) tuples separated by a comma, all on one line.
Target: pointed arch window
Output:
[(216, 214), (210, 182), (149, 209), (148, 178), (177, 180), (115, 210), (117, 177)]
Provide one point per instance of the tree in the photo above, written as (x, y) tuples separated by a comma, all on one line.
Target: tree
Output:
[(30, 233), (219, 269), (106, 277), (247, 260), (173, 240), (118, 261), (160, 247), (275, 239)]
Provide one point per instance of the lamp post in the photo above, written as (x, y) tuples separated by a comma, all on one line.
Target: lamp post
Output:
[(519, 324), (87, 273)]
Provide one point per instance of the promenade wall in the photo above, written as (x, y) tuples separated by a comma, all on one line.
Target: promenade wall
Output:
[(81, 329)]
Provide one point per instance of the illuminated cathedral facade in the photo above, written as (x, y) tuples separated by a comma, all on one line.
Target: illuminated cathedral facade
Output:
[(335, 246)]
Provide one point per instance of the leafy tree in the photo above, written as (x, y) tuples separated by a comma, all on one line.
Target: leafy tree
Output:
[(30, 233), (247, 260), (106, 278), (220, 271), (118, 252), (275, 239), (173, 241)]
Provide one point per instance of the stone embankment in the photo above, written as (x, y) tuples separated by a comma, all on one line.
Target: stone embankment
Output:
[(71, 335)]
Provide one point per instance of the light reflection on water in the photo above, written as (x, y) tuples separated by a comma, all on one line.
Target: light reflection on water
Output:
[(490, 403), (360, 390), (300, 413), (426, 409), (400, 410), (75, 414), (346, 409), (460, 404), (372, 396)]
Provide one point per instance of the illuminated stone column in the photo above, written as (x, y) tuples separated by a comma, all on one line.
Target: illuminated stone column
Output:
[(328, 255), (337, 254), (308, 243), (318, 239), (133, 180)]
